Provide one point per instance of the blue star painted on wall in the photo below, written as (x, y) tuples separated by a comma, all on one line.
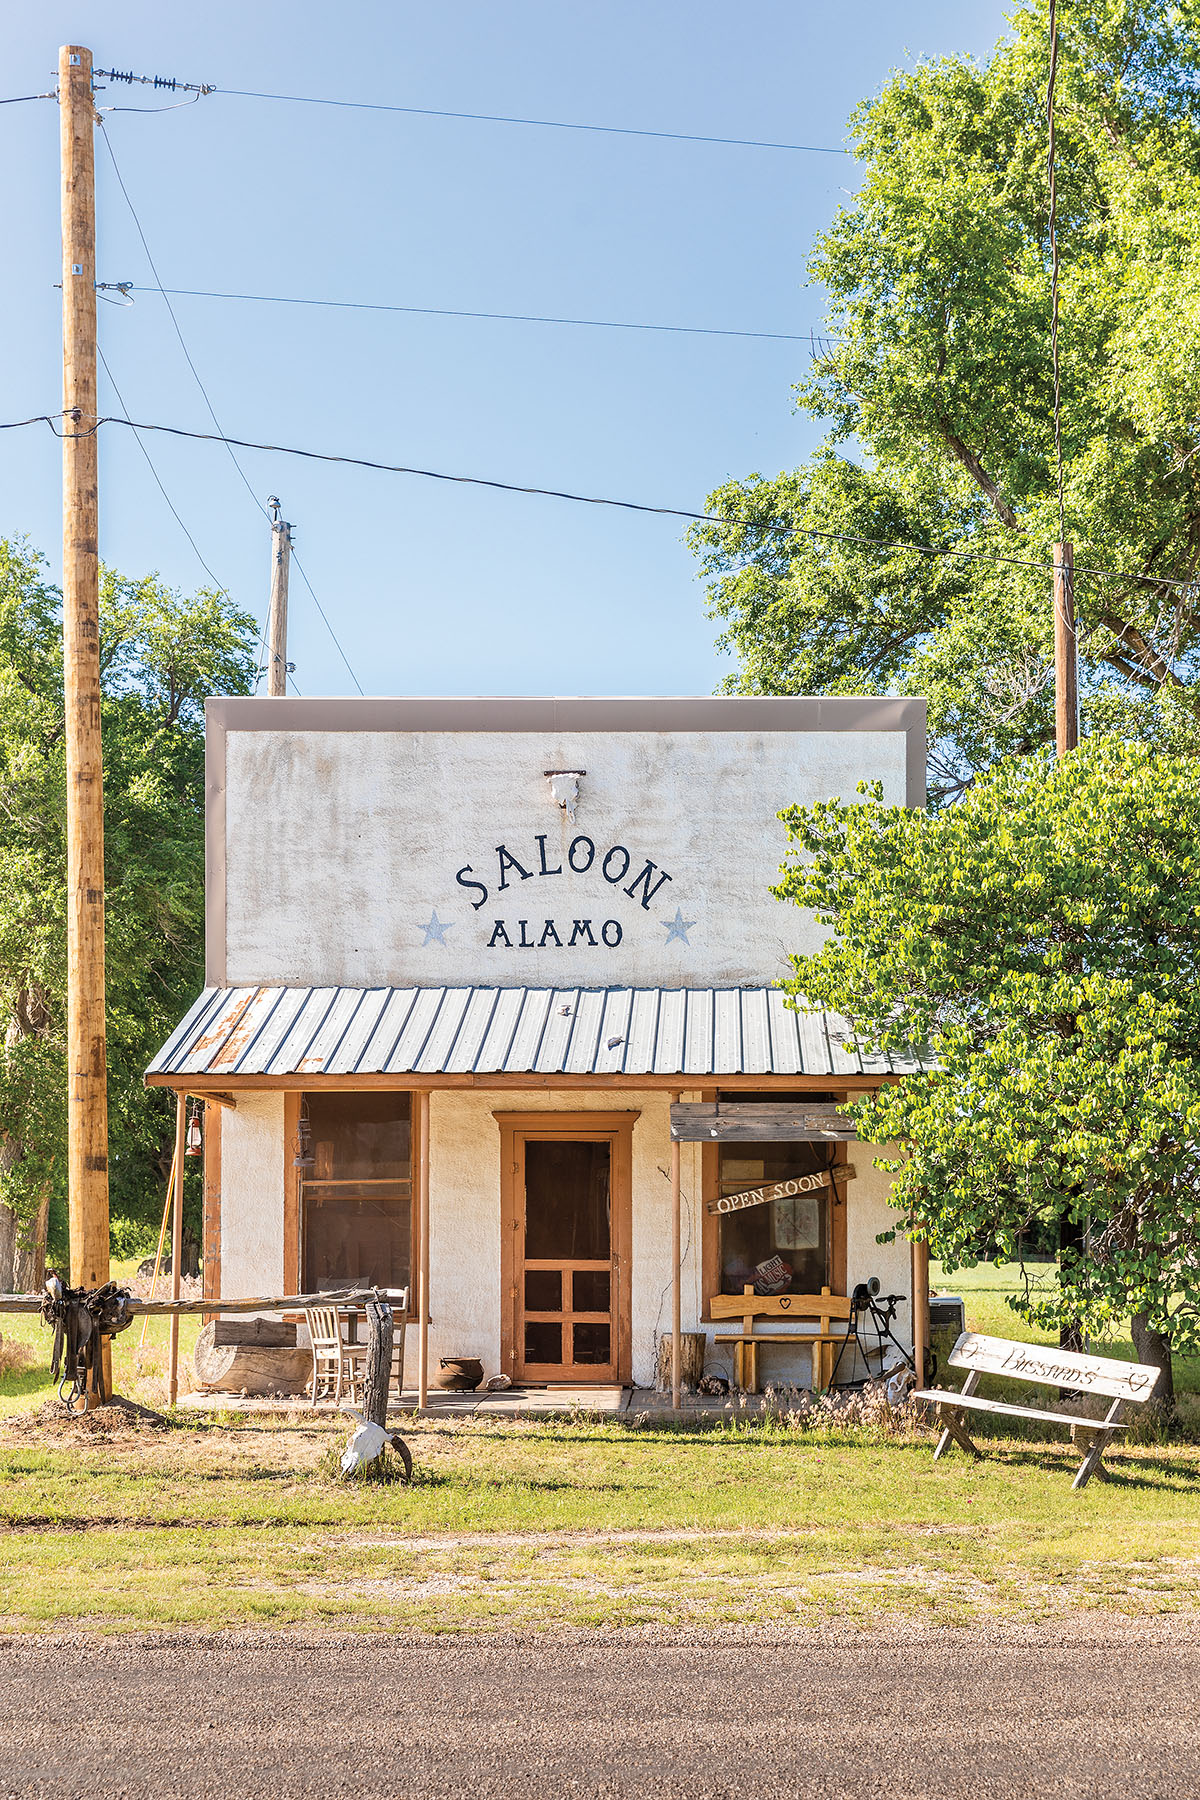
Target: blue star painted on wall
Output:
[(435, 931), (678, 927)]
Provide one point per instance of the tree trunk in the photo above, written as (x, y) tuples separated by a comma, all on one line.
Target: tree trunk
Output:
[(692, 1346), (1154, 1347), (23, 1248)]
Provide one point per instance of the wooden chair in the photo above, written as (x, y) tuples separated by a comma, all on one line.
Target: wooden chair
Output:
[(336, 1364)]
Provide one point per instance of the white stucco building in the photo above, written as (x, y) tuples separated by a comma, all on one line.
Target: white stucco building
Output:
[(468, 955)]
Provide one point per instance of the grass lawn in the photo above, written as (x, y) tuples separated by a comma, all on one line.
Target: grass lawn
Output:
[(571, 1522)]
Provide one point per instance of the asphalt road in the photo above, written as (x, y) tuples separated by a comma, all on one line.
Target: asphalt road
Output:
[(1076, 1710)]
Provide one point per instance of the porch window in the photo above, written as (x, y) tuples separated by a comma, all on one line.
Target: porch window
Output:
[(355, 1154), (778, 1246)]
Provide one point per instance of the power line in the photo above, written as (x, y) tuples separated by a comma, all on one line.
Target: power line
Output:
[(16, 99), (430, 112), (333, 634), (220, 585), (453, 312), (208, 403), (636, 506), (175, 322)]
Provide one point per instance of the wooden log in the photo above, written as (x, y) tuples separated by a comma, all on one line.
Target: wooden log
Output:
[(32, 1303), (268, 1334), (377, 1373), (254, 1365), (692, 1345)]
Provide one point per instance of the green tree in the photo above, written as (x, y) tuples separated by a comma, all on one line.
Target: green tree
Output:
[(161, 655), (1041, 943), (935, 388)]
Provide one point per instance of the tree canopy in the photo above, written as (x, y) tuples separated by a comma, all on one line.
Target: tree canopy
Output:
[(161, 654), (1039, 944), (934, 384)]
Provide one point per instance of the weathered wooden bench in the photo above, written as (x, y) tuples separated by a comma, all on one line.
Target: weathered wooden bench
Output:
[(1121, 1382), (749, 1307)]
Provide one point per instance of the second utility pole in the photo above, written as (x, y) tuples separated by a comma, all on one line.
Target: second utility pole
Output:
[(281, 555), (87, 1096), (1066, 653)]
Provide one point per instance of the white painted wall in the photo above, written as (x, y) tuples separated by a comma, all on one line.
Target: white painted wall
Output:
[(341, 846), (465, 1229), (252, 1153)]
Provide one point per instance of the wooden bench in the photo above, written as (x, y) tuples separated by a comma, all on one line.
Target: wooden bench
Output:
[(749, 1307), (1122, 1382)]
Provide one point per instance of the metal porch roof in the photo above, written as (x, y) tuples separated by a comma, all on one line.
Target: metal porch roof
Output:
[(494, 1030)]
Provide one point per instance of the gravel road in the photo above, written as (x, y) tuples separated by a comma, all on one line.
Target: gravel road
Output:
[(1081, 1709)]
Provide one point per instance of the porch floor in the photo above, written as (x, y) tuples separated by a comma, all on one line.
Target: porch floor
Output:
[(608, 1402)]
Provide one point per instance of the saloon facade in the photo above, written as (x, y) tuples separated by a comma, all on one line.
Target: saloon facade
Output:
[(488, 983)]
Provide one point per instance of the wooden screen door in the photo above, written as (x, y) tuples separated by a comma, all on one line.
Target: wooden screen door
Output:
[(566, 1231)]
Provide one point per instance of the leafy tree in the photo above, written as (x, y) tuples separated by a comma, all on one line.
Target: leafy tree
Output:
[(935, 387), (161, 655), (1041, 942)]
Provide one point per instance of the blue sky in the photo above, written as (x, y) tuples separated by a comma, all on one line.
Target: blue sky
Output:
[(432, 588)]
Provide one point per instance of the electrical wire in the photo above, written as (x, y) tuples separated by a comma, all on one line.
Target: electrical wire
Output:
[(430, 112), (329, 628), (16, 99), (228, 442), (175, 322), (994, 557), (454, 312), (220, 585)]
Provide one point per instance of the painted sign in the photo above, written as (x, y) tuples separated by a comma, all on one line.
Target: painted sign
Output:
[(1064, 1368), (781, 1190), (437, 856)]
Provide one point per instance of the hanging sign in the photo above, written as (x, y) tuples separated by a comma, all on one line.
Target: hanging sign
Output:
[(781, 1190)]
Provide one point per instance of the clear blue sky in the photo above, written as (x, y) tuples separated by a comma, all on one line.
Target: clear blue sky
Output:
[(436, 589)]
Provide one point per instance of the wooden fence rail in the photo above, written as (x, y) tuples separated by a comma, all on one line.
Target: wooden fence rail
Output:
[(32, 1303)]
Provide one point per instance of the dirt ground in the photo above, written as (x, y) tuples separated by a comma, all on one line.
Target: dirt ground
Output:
[(1103, 1709)]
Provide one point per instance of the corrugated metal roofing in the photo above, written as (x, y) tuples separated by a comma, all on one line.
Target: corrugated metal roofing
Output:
[(514, 1031)]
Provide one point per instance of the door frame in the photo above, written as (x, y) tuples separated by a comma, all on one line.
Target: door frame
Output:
[(613, 1128)]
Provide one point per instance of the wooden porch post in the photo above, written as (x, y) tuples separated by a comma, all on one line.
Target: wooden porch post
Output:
[(422, 1171), (177, 1244), (676, 1274), (920, 1305)]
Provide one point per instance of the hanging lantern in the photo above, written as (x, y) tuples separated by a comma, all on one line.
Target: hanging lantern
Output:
[(194, 1142)]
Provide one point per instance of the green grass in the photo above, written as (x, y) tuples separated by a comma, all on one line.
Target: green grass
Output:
[(232, 1521)]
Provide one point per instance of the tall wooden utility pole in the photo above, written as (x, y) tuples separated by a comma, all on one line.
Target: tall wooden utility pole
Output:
[(1071, 1234), (1066, 658), (87, 1143), (281, 556)]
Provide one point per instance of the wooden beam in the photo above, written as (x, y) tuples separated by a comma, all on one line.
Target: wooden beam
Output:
[(920, 1305), (32, 1303), (730, 1122), (422, 1172), (177, 1247), (212, 1099), (676, 1273), (410, 1083)]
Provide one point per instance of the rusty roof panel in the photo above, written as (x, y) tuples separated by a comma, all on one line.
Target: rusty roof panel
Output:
[(689, 1032)]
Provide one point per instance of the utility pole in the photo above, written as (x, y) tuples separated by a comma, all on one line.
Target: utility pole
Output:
[(1071, 1233), (281, 556), (1066, 658), (87, 1153)]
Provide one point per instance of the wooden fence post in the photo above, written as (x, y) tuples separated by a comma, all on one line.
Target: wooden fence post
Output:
[(378, 1372)]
